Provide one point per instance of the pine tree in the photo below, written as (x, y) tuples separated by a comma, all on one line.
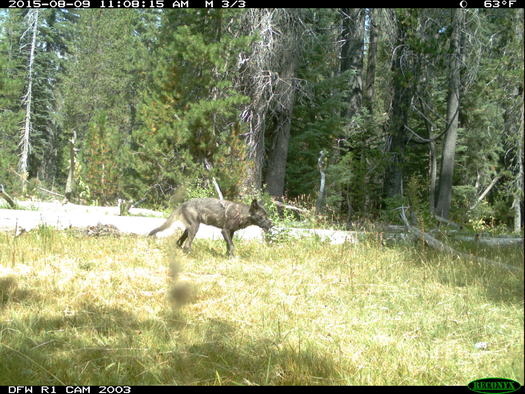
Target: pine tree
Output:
[(103, 74), (11, 87), (55, 32), (191, 111), (36, 48), (453, 107)]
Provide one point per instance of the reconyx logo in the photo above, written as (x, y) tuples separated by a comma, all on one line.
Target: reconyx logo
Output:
[(494, 385)]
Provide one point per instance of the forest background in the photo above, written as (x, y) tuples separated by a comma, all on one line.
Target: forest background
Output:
[(348, 112)]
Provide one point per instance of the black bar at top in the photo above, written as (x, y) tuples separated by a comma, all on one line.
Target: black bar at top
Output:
[(223, 4)]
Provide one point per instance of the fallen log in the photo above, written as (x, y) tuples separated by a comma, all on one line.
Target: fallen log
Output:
[(50, 192), (434, 243), (7, 197), (290, 207), (489, 241), (446, 221)]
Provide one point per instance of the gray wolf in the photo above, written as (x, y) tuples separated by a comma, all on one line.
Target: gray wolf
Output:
[(226, 215)]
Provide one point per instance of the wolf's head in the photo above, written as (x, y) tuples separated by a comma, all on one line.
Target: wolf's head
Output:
[(259, 217)]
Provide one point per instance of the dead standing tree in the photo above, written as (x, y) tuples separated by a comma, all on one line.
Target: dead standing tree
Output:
[(32, 21), (73, 150), (267, 76), (321, 164)]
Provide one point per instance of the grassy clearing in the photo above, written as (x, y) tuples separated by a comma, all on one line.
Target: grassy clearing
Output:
[(88, 311)]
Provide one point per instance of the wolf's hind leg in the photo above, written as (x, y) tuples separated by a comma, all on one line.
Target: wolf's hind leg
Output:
[(182, 238), (191, 232)]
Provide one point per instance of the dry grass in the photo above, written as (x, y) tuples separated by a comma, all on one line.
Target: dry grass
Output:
[(88, 311)]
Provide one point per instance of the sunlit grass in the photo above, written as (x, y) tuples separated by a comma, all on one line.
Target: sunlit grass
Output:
[(87, 311)]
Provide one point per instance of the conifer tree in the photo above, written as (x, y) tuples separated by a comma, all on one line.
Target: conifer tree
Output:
[(191, 110)]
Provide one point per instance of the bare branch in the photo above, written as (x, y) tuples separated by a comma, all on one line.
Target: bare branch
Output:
[(486, 191)]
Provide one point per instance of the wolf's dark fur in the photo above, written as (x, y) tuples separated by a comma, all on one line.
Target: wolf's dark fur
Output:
[(226, 215)]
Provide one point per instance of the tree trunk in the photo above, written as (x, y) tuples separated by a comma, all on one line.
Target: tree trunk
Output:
[(255, 78), (321, 164), (514, 124), (449, 147), (352, 37), (266, 76), (518, 193), (32, 18), (70, 183), (277, 156), (352, 57), (276, 167), (368, 92), (433, 175), (402, 96)]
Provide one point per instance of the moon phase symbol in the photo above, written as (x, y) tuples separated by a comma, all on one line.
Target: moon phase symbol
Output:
[(463, 4)]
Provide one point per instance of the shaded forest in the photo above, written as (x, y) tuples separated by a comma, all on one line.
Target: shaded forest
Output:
[(351, 112)]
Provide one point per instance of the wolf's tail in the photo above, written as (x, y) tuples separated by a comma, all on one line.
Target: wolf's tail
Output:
[(167, 223)]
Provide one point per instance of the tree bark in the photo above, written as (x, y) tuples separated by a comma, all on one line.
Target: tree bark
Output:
[(32, 17), (402, 96), (321, 164), (276, 168), (266, 76), (352, 35), (278, 154), (449, 147), (255, 80), (70, 183), (516, 204), (518, 193), (368, 91), (433, 175)]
